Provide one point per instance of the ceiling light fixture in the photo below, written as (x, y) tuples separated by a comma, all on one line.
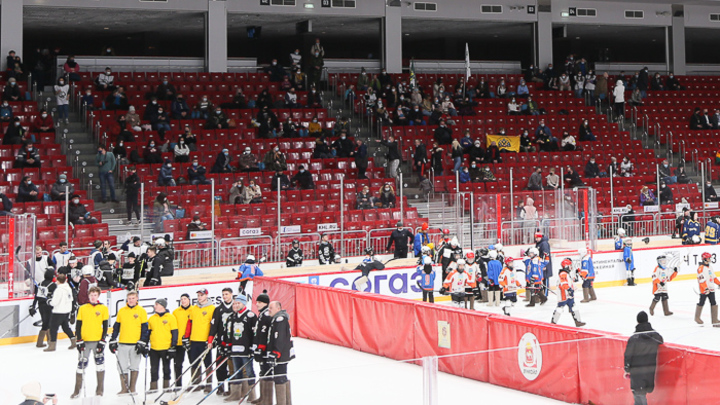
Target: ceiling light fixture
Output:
[(309, 5), (564, 14), (106, 28)]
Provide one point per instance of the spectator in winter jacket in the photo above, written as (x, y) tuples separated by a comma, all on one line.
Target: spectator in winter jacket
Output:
[(196, 173), (585, 132), (195, 225), (276, 71), (343, 146), (251, 193), (235, 192), (161, 122), (420, 157), (152, 154), (436, 159), (5, 205), (222, 163), (12, 91), (165, 91), (180, 109), (275, 160), (364, 200), (247, 162), (666, 194), (303, 178), (133, 120), (117, 100), (218, 120), (392, 156), (647, 197), (15, 133), (572, 178), (284, 182), (43, 123), (464, 176), (475, 172), (181, 151), (361, 158), (552, 180), (592, 170), (57, 192), (78, 214), (6, 112), (535, 181), (641, 358), (29, 156), (165, 177), (443, 134), (27, 191), (710, 194), (387, 196), (492, 155)]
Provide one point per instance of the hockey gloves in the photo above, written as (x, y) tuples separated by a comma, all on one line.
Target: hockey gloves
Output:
[(443, 291), (72, 316), (141, 348), (113, 346), (32, 311), (172, 350), (186, 343), (100, 347), (80, 346)]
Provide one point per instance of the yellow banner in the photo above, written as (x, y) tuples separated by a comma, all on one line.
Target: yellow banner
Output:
[(505, 142)]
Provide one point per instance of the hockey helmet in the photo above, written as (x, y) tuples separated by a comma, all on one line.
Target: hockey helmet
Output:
[(499, 247), (369, 252), (249, 258), (454, 242), (567, 262), (461, 262), (621, 232), (482, 252), (662, 261), (538, 234), (716, 218), (509, 261), (98, 244), (425, 250), (533, 252), (431, 245), (446, 232), (695, 239), (425, 226), (427, 260), (492, 254), (470, 256), (160, 242), (706, 256), (337, 258), (628, 242), (88, 270), (295, 242)]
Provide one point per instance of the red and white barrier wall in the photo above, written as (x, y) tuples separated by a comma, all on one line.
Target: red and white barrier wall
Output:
[(558, 362)]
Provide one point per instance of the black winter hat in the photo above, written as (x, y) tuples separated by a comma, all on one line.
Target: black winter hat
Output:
[(642, 317), (264, 297)]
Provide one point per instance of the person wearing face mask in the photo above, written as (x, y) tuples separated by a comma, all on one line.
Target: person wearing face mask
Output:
[(465, 176), (314, 98), (402, 239), (27, 191), (626, 167), (315, 66), (513, 107), (643, 81), (568, 143), (165, 177), (526, 144), (105, 81), (165, 91), (151, 109), (11, 92), (181, 151), (72, 69), (492, 155), (585, 132), (222, 163), (656, 84), (672, 83), (43, 123), (275, 71), (195, 225), (217, 120), (475, 172), (387, 196), (295, 58), (161, 211), (665, 173), (251, 194), (62, 99), (284, 182), (6, 112), (152, 153), (107, 163), (161, 122), (710, 194), (132, 121), (361, 158), (592, 170), (247, 162), (392, 156), (416, 116), (303, 179), (443, 134), (27, 157), (666, 194), (180, 109), (275, 160), (78, 214), (132, 190), (363, 81), (291, 100), (58, 191)]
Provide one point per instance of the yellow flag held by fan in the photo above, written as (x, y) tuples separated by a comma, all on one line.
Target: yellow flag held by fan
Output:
[(505, 142)]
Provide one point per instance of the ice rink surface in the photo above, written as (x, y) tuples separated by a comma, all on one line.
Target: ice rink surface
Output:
[(322, 374)]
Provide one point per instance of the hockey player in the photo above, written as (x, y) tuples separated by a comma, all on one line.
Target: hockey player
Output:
[(708, 283), (42, 295), (137, 247), (238, 342), (510, 283), (691, 230), (566, 287), (130, 273), (91, 327), (421, 239), (498, 247), (61, 257), (106, 271), (444, 240), (129, 341), (629, 260), (455, 283), (73, 271), (326, 253), (247, 273), (38, 264), (262, 328), (182, 315), (197, 331), (88, 281), (534, 267), (96, 255), (402, 238), (587, 272), (543, 246), (712, 230), (481, 260), (148, 270), (295, 255), (365, 268), (280, 352), (661, 276), (471, 268), (426, 280), (494, 267), (369, 255), (162, 336), (450, 252), (217, 331), (619, 239)]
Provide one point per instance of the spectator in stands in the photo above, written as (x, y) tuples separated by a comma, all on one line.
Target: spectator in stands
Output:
[(295, 58), (78, 214), (526, 144), (322, 150), (552, 180), (715, 119), (568, 143), (361, 158), (291, 100), (585, 132), (535, 180), (437, 158), (28, 156), (466, 142), (364, 200), (218, 120), (105, 81), (448, 107), (350, 96), (545, 142), (152, 153), (265, 113), (400, 118), (195, 226), (133, 120), (43, 123), (315, 67), (247, 162), (672, 83), (706, 120), (88, 100), (264, 99), (579, 84), (161, 122), (601, 87), (619, 96), (643, 81), (196, 173), (161, 211), (267, 130), (426, 107), (132, 190), (15, 133), (116, 100), (238, 102), (203, 108), (340, 124), (298, 79), (165, 177), (363, 81), (682, 177), (522, 89), (544, 128), (710, 194), (387, 196), (416, 116), (636, 98), (476, 153), (572, 178), (476, 174), (314, 99), (647, 197), (487, 175), (696, 120), (666, 194), (626, 167), (72, 69), (58, 190), (181, 151), (251, 194), (5, 205), (275, 160), (303, 178), (165, 91), (513, 107), (613, 168), (665, 173), (443, 134), (235, 192), (12, 91), (592, 170), (62, 99), (464, 176), (27, 191), (656, 84), (420, 157), (382, 114), (533, 108), (284, 182), (291, 129), (456, 154), (6, 112), (180, 109), (343, 146), (286, 85), (564, 82), (492, 154)]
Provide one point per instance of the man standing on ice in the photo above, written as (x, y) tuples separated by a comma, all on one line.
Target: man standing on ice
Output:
[(641, 359), (661, 276)]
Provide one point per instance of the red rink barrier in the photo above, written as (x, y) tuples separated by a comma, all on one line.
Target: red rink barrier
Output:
[(582, 366)]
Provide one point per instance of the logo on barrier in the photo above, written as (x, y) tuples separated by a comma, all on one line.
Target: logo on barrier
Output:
[(529, 356)]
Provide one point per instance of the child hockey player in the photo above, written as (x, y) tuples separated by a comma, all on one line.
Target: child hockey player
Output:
[(426, 280), (247, 272), (534, 267), (708, 283), (566, 288), (661, 276), (629, 260), (510, 284), (471, 268), (366, 266), (587, 272), (494, 267), (712, 230), (619, 239), (455, 283)]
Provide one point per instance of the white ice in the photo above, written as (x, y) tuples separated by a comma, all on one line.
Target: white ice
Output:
[(617, 307), (321, 374)]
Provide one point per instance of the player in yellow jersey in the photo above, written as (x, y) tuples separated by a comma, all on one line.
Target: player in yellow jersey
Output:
[(128, 341), (182, 315), (196, 335), (91, 330), (163, 335)]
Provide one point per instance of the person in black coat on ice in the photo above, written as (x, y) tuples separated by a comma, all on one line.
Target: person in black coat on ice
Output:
[(641, 359), (402, 238)]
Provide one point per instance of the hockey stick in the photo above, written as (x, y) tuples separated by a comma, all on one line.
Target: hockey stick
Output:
[(256, 383), (202, 355), (208, 372), (220, 384), (145, 384), (125, 382), (13, 327)]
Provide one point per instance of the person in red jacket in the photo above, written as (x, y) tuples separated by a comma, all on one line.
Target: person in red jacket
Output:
[(43, 123)]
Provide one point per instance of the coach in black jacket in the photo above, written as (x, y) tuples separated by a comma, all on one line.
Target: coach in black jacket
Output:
[(641, 358), (402, 238)]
